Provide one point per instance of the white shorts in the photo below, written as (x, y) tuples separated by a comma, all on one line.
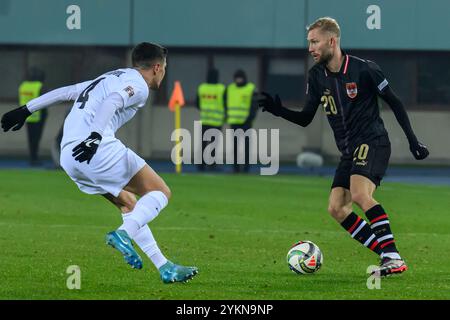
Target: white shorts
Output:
[(109, 171)]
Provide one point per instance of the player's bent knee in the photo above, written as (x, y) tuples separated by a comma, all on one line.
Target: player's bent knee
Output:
[(125, 201), (125, 209), (360, 198), (130, 206), (127, 205), (337, 212)]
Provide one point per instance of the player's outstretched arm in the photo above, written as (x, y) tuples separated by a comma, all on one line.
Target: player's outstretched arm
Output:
[(275, 107), (418, 149), (63, 94), (16, 118)]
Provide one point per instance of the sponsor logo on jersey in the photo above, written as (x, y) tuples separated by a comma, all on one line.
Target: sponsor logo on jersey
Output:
[(352, 89), (130, 91), (209, 96), (361, 163), (327, 92)]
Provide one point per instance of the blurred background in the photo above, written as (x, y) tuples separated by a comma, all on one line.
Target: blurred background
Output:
[(72, 41)]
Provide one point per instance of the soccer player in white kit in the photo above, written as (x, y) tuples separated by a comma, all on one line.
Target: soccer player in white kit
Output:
[(99, 163)]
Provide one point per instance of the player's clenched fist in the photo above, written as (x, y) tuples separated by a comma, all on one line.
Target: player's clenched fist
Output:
[(86, 149), (15, 118), (419, 150)]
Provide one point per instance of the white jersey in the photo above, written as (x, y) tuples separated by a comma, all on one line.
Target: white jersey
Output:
[(128, 83)]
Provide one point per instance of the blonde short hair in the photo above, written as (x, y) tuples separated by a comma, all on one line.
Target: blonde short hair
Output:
[(326, 24)]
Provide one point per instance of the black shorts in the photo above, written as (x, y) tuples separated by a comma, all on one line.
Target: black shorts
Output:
[(369, 159)]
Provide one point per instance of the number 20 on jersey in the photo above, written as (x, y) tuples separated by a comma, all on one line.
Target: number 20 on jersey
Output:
[(329, 105)]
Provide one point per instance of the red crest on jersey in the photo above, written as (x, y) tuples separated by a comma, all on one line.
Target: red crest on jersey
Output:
[(352, 89)]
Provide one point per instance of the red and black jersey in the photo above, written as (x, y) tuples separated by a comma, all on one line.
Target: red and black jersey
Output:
[(349, 99)]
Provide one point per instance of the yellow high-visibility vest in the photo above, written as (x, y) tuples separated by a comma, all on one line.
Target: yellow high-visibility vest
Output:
[(29, 90), (239, 101), (212, 109)]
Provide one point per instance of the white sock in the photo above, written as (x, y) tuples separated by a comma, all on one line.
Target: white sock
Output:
[(130, 226), (145, 240), (146, 209), (391, 255)]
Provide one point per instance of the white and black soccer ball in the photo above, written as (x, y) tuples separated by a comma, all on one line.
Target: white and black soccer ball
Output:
[(304, 257)]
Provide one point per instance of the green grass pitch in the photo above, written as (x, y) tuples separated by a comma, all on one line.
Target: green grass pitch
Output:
[(236, 229)]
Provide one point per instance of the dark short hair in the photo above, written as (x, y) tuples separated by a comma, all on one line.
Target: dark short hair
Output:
[(239, 74), (146, 54)]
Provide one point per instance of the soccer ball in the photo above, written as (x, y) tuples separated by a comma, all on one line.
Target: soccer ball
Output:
[(304, 257)]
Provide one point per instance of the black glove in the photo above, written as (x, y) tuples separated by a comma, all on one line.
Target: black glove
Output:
[(86, 149), (418, 150), (15, 118), (270, 105)]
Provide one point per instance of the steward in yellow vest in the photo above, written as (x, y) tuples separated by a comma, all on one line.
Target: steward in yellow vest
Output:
[(239, 103), (241, 110), (30, 89), (211, 103)]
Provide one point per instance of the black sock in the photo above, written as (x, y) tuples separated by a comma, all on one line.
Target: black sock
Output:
[(360, 231), (379, 222)]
